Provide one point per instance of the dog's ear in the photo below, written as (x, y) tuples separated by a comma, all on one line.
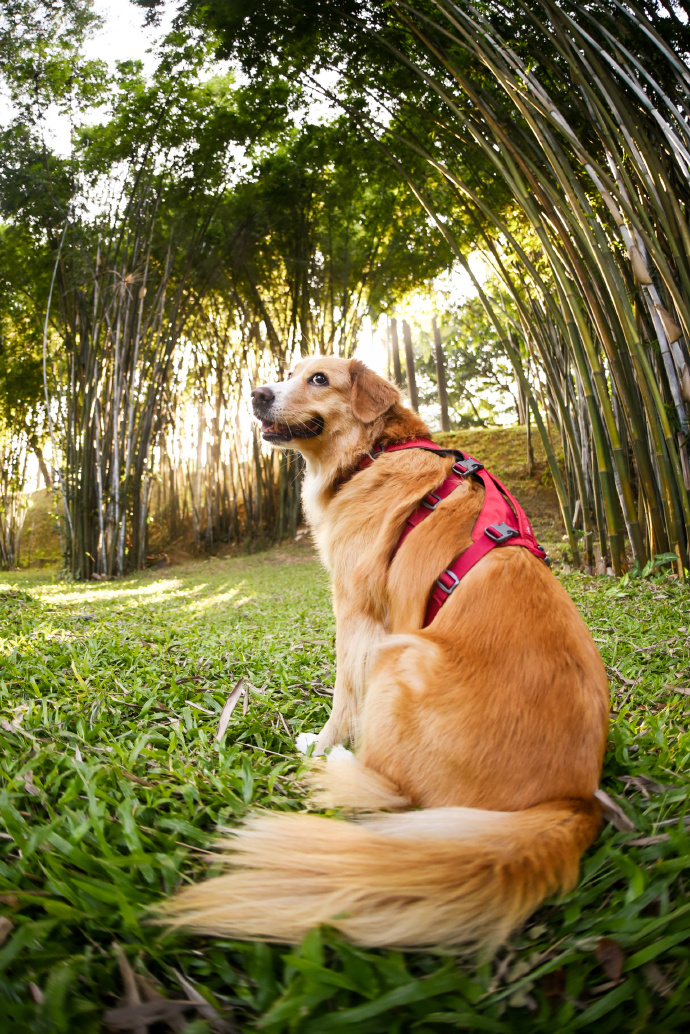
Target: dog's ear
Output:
[(371, 396)]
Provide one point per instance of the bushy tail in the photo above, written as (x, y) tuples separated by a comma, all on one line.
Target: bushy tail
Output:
[(441, 876)]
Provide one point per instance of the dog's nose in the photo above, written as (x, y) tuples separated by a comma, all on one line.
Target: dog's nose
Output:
[(262, 396)]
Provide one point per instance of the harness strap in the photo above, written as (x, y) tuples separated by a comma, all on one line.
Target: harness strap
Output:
[(495, 525)]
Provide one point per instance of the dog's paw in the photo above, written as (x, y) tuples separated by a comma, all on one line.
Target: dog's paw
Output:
[(340, 753), (304, 740)]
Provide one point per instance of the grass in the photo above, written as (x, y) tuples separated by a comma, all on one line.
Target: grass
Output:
[(113, 784)]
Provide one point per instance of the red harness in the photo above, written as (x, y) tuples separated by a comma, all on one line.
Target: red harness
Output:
[(495, 525)]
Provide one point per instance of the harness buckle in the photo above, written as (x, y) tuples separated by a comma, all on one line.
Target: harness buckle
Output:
[(455, 581), (429, 505), (376, 451), (500, 533), (464, 467)]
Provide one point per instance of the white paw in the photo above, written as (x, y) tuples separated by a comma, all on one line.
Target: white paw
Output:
[(340, 753), (304, 740)]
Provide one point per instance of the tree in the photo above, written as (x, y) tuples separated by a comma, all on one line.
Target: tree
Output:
[(566, 123)]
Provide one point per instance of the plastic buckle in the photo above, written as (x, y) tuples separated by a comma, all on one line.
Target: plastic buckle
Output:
[(448, 588), (431, 495), (376, 451), (464, 467), (500, 533)]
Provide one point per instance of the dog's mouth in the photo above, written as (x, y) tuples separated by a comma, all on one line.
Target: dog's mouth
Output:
[(271, 431)]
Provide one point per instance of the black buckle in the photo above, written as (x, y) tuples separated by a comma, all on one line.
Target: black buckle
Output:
[(432, 495), (501, 532), (448, 588), (376, 451), (464, 467)]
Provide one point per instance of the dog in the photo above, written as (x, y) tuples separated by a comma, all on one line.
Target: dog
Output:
[(478, 740)]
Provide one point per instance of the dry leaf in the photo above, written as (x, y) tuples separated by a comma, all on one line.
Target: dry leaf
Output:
[(131, 990), (685, 384), (678, 689), (205, 1008), (553, 984), (644, 784), (646, 841), (639, 265), (613, 813), (6, 928), (150, 993), (29, 785), (228, 709), (610, 957), (671, 328), (36, 993), (658, 980), (136, 1017)]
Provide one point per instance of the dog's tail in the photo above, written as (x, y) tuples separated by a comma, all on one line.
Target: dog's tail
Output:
[(441, 876)]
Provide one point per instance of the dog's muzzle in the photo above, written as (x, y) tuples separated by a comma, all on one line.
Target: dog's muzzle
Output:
[(281, 431)]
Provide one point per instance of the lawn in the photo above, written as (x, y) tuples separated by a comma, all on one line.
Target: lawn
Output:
[(113, 783)]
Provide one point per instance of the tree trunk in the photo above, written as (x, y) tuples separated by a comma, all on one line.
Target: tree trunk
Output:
[(409, 364), (441, 377), (395, 349)]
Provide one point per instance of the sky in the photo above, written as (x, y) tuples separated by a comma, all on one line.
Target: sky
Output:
[(124, 36)]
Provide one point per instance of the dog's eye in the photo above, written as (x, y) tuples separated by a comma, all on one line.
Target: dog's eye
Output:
[(289, 375), (320, 379)]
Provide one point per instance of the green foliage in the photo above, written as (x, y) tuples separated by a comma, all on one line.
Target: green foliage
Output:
[(41, 56), (113, 785), (480, 379)]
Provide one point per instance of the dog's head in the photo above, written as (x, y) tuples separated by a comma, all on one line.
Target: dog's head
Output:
[(323, 400)]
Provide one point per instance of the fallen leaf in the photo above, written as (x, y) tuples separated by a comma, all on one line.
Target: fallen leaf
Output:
[(613, 812), (644, 784), (132, 997), (134, 1017), (610, 957), (553, 984), (678, 689), (228, 709), (6, 928), (658, 980), (205, 1008), (36, 993), (150, 993)]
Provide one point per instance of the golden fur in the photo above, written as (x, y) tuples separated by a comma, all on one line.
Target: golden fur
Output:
[(493, 719)]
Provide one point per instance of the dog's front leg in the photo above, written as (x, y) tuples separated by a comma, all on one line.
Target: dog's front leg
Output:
[(356, 636)]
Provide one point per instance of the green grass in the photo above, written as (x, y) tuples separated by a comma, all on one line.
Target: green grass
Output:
[(113, 784)]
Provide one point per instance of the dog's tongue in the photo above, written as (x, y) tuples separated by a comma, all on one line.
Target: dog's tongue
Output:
[(268, 428)]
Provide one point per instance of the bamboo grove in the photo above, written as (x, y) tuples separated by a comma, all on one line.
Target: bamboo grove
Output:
[(551, 137), (605, 189), (591, 139)]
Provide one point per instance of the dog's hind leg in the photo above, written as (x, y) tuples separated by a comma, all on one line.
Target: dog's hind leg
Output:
[(342, 781)]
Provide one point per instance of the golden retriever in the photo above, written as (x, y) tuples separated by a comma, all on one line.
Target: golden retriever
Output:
[(478, 739)]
